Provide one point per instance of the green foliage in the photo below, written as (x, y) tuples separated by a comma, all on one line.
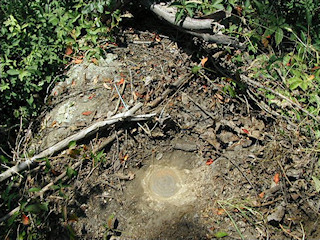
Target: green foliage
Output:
[(316, 183), (220, 234), (36, 208), (283, 40), (33, 38), (190, 8)]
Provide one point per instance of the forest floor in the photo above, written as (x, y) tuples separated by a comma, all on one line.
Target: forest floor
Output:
[(206, 166)]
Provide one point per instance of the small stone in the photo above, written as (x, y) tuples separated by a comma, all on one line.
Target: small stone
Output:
[(276, 217)]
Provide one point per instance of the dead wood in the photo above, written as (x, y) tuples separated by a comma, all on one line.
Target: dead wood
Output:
[(75, 137), (64, 174), (194, 26), (169, 13)]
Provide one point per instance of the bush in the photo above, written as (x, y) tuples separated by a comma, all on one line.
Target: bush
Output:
[(33, 38)]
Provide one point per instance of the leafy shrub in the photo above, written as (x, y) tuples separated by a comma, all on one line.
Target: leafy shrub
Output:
[(33, 38), (283, 39)]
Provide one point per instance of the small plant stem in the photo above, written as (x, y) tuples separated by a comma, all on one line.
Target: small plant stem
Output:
[(232, 220)]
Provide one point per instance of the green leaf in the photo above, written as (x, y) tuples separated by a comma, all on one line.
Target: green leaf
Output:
[(220, 234), (4, 86), (37, 208), (295, 82), (12, 219), (230, 90), (54, 20), (34, 190), (176, 4), (179, 15), (30, 100), (279, 36), (316, 183), (71, 172), (48, 165), (55, 187), (304, 85), (190, 11), (13, 72), (196, 69), (72, 144)]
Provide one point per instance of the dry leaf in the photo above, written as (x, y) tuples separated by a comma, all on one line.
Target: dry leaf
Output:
[(261, 195), (78, 61), (106, 86), (92, 96), (220, 211), (311, 77), (121, 81), (68, 50), (95, 61), (203, 61), (209, 161), (276, 178), (87, 113), (25, 220), (265, 42)]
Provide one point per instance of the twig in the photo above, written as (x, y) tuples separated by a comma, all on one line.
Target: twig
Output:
[(62, 175), (181, 81), (131, 86), (218, 38), (8, 215), (289, 233), (303, 232), (202, 108), (234, 164), (120, 98), (257, 84), (75, 137)]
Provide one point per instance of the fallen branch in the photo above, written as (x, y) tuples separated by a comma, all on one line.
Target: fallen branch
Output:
[(169, 13), (193, 26), (75, 137), (62, 175), (217, 38)]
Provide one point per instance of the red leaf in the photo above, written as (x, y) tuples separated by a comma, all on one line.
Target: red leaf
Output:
[(25, 220), (87, 113), (121, 81), (245, 131), (92, 96), (276, 178), (209, 161), (56, 173), (95, 61), (78, 61), (315, 68), (261, 195), (69, 50)]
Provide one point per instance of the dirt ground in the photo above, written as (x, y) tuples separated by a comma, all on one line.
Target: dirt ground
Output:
[(206, 166)]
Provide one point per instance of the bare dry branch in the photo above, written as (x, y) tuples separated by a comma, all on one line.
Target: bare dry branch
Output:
[(75, 137)]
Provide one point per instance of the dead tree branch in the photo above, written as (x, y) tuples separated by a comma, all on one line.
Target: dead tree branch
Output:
[(75, 137), (195, 26)]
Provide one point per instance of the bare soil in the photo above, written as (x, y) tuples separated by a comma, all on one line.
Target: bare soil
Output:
[(207, 165)]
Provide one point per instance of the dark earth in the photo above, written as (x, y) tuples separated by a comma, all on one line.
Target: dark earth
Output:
[(206, 166)]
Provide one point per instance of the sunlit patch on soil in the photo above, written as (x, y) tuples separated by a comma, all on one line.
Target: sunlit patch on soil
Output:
[(162, 183)]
